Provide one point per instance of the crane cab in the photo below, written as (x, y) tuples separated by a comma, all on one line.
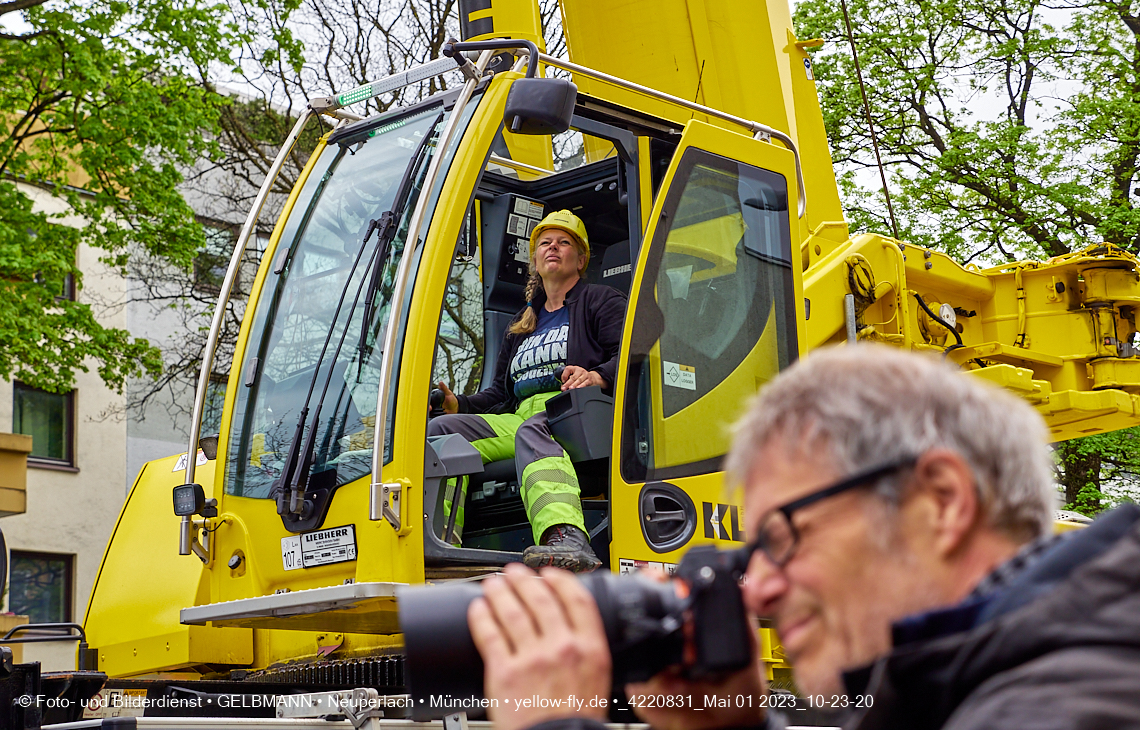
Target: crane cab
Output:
[(689, 220), (399, 260)]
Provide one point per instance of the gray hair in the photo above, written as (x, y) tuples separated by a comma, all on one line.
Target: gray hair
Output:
[(867, 405)]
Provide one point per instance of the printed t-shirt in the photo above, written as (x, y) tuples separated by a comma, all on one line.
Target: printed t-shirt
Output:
[(532, 367)]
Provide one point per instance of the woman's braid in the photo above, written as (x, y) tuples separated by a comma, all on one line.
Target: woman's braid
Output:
[(529, 320)]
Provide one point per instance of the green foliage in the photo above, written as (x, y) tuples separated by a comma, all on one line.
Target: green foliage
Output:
[(1089, 501), (1010, 129), (103, 103), (1100, 471)]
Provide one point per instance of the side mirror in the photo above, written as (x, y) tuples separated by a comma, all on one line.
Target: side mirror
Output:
[(540, 106), (209, 446)]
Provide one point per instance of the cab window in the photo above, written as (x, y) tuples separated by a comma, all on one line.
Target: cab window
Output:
[(714, 319), (459, 344)]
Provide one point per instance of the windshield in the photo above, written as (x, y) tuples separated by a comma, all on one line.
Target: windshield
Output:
[(306, 337)]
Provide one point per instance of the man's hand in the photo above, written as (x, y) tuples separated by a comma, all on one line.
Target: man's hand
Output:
[(450, 402), (540, 636), (693, 715), (749, 682), (578, 377)]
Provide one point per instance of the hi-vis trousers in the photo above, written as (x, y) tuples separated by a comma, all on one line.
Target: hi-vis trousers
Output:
[(546, 475)]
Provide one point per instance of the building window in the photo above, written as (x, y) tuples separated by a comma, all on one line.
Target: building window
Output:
[(212, 408), (67, 290), (39, 587), (49, 419), (212, 261)]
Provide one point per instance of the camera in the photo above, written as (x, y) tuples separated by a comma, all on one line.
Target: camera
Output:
[(696, 621)]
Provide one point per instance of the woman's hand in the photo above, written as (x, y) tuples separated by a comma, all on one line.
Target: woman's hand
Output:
[(450, 402), (576, 377)]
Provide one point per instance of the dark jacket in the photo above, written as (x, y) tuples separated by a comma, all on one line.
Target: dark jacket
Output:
[(597, 313), (1057, 647)]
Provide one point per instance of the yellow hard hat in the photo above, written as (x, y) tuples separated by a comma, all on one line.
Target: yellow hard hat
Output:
[(566, 221)]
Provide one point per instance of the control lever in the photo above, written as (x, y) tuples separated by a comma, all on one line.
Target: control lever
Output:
[(435, 403)]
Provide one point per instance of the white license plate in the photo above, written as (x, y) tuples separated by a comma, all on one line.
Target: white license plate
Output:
[(323, 547)]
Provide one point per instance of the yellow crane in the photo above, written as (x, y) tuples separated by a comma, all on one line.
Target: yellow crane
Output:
[(692, 145)]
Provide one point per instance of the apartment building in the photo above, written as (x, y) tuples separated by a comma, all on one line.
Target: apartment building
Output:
[(89, 444), (75, 476)]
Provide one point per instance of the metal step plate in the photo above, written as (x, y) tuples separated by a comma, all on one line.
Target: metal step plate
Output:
[(357, 608)]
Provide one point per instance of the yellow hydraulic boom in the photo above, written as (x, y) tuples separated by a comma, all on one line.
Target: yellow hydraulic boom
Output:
[(1059, 332)]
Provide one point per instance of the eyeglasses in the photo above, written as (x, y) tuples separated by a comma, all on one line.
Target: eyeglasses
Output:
[(776, 534)]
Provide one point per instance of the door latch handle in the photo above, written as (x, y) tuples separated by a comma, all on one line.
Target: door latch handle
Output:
[(387, 503)]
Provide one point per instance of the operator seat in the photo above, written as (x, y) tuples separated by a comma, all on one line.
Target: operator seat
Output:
[(616, 270)]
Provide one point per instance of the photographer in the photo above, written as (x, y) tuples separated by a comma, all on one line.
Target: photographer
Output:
[(900, 516)]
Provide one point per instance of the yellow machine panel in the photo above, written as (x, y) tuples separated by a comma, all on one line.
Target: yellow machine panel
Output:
[(734, 55), (132, 618)]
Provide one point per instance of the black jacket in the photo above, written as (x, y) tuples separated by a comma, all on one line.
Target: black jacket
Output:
[(1058, 647), (597, 313)]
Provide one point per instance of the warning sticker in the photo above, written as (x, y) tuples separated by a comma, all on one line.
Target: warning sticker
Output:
[(517, 225), (114, 703), (323, 547), (528, 208), (525, 215), (680, 376), (180, 465), (625, 566)]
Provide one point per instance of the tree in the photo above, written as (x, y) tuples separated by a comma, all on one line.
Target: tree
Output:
[(1099, 471), (322, 46), (460, 346), (1010, 129), (101, 110)]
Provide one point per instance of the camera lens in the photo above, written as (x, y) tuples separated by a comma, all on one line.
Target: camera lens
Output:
[(445, 672), (642, 619), (443, 669)]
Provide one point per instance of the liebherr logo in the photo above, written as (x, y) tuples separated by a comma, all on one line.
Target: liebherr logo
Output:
[(722, 521)]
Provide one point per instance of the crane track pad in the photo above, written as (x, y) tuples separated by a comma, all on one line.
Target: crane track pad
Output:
[(384, 673)]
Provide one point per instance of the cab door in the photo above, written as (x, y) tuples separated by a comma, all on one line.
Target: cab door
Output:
[(714, 312)]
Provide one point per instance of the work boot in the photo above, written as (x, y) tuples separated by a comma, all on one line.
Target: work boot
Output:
[(563, 546)]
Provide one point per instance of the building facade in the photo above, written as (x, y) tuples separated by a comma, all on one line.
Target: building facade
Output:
[(90, 444), (75, 476)]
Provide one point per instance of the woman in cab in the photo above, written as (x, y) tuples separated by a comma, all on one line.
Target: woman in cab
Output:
[(567, 336)]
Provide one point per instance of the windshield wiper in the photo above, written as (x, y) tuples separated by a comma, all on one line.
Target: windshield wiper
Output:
[(295, 473), (300, 459), (387, 228)]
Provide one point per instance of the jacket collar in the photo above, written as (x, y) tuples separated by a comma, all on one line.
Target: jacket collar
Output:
[(1085, 589), (571, 296)]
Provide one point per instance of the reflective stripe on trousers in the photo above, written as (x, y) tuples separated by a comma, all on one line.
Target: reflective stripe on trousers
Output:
[(546, 476)]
